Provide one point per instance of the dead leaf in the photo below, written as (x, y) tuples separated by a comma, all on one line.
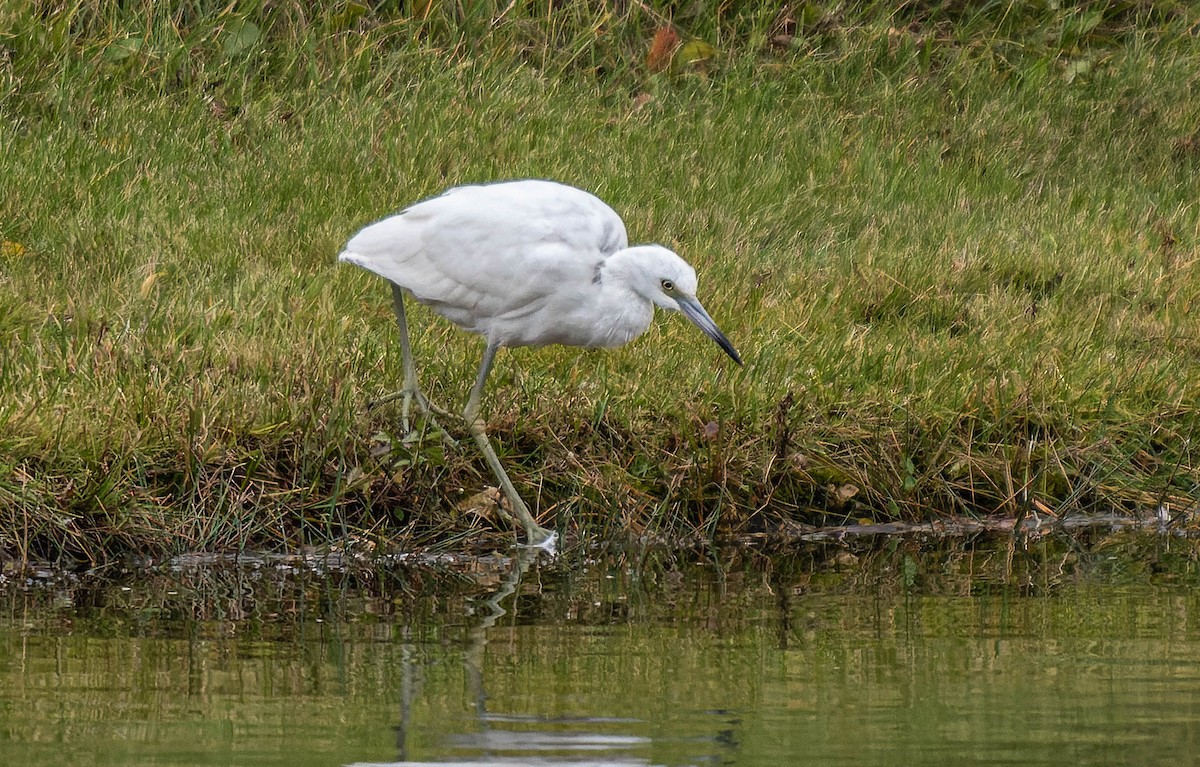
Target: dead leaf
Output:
[(662, 49), (485, 504), (840, 495)]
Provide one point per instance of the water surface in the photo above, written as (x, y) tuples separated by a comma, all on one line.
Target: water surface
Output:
[(911, 652)]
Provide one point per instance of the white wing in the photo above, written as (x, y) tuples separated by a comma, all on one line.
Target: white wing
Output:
[(478, 253)]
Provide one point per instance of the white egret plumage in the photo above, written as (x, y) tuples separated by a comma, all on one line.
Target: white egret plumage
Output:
[(523, 263)]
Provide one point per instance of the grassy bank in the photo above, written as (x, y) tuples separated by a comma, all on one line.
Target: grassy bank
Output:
[(959, 254)]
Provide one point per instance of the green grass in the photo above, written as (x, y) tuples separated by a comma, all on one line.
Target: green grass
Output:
[(959, 255)]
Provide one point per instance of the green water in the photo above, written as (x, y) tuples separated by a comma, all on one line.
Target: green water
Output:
[(1061, 654)]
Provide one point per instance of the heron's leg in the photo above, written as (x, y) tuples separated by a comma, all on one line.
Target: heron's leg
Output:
[(411, 390), (535, 534)]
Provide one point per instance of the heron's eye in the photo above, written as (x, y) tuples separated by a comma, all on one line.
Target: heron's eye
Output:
[(667, 285)]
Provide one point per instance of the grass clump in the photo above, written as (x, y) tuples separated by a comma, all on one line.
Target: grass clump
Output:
[(957, 250)]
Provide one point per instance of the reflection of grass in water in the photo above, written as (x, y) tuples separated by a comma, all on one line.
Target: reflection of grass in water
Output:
[(293, 593), (969, 260), (751, 654)]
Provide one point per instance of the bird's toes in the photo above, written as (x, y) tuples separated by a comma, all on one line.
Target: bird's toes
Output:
[(538, 537), (450, 441)]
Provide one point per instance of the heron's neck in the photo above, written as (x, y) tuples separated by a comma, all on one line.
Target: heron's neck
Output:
[(627, 313), (620, 272)]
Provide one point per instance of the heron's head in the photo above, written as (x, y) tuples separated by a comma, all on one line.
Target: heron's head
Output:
[(665, 279)]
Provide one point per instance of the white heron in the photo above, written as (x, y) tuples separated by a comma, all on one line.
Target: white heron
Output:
[(523, 263)]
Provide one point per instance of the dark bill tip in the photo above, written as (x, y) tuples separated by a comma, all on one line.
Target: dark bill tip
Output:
[(692, 309)]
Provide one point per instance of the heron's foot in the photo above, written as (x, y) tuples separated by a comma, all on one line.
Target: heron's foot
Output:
[(542, 539), (427, 410), (536, 536), (388, 398)]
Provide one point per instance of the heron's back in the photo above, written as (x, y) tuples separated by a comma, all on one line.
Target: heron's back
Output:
[(499, 259)]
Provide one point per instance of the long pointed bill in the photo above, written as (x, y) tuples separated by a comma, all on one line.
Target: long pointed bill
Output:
[(692, 309)]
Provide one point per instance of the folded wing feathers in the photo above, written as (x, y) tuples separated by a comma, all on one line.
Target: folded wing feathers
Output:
[(460, 249)]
